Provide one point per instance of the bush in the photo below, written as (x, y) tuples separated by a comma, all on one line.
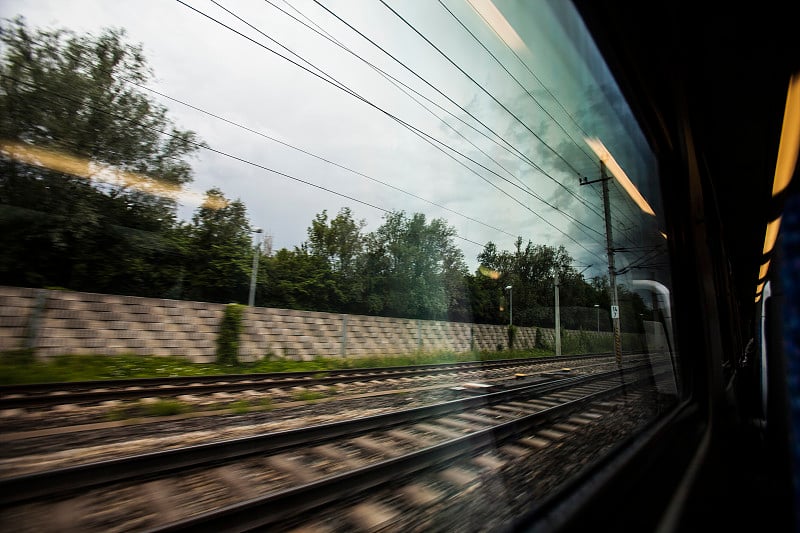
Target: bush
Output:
[(229, 331), (512, 334)]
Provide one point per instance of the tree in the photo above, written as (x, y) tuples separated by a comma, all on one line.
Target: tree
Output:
[(340, 244), (531, 271), (413, 268), (296, 279), (220, 251), (89, 165)]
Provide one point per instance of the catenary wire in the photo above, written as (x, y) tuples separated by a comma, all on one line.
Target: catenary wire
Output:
[(428, 138), (522, 86), (204, 146), (405, 88), (311, 154), (417, 131), (490, 95), (398, 83), (517, 81), (519, 154)]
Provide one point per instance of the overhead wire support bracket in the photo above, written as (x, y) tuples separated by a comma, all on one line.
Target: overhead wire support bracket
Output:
[(585, 181)]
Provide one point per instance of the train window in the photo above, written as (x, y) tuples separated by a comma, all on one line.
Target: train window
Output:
[(260, 187)]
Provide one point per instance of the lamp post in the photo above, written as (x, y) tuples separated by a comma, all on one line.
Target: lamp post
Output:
[(254, 273), (510, 305), (597, 308)]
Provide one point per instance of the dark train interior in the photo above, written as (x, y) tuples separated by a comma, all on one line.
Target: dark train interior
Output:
[(709, 86)]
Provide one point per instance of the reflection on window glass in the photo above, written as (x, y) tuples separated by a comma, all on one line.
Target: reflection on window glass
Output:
[(390, 183)]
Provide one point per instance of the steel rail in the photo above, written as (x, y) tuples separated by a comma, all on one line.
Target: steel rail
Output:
[(18, 489), (20, 396), (278, 506)]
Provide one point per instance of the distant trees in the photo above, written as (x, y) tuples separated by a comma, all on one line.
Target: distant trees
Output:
[(85, 169), (413, 268), (89, 172), (218, 251), (339, 242), (530, 270), (407, 267)]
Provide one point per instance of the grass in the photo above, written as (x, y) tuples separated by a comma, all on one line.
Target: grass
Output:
[(308, 396), (140, 409), (240, 407), (20, 366)]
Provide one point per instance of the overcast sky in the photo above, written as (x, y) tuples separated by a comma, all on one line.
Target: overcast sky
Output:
[(566, 97)]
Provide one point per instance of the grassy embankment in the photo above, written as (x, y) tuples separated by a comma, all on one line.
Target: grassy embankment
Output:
[(21, 367)]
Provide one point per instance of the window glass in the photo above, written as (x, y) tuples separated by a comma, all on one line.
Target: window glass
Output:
[(414, 181)]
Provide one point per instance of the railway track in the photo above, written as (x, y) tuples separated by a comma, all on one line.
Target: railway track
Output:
[(274, 480), (40, 395)]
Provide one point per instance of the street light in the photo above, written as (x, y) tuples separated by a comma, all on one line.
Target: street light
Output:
[(254, 273), (510, 305), (597, 308)]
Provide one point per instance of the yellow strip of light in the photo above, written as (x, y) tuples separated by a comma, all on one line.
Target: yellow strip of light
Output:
[(495, 19), (772, 235), (764, 269), (82, 167), (790, 138), (605, 156), (758, 297)]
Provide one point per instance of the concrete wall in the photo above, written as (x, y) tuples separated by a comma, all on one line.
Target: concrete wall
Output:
[(64, 322)]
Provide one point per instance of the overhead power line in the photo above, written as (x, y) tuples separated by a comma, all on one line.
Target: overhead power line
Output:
[(405, 88), (494, 98), (319, 157), (515, 151), (425, 136), (589, 155), (205, 146)]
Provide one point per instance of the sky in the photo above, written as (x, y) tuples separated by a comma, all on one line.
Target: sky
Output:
[(433, 158)]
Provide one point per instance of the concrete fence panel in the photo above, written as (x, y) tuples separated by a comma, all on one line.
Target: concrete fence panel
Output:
[(55, 322)]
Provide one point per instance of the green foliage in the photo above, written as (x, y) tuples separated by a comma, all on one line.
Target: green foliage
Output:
[(240, 407), (140, 409), (308, 396), (538, 339), (299, 280), (340, 243), (413, 268), (220, 249), (228, 339), (93, 367), (512, 335), (165, 408), (92, 226), (23, 358)]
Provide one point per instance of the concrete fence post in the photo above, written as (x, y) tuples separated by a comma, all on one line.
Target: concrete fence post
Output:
[(343, 350)]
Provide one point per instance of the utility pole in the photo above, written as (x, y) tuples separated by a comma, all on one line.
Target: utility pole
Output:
[(254, 272), (558, 317), (612, 274)]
